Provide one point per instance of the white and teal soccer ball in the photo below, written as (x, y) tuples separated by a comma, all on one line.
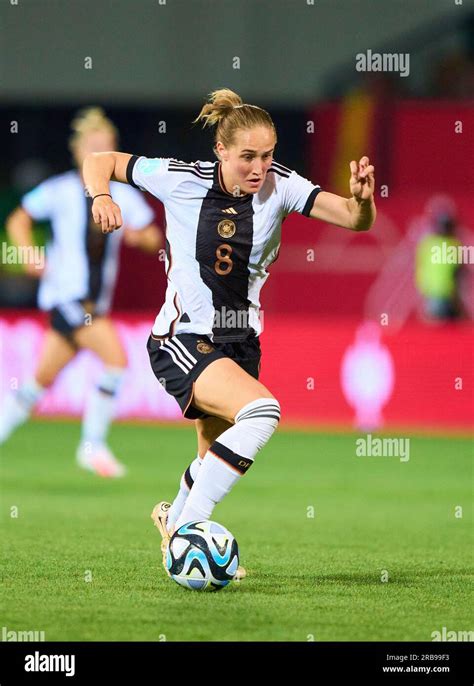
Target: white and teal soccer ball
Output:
[(202, 556)]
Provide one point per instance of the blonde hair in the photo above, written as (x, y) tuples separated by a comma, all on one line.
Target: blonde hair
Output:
[(226, 110), (89, 120)]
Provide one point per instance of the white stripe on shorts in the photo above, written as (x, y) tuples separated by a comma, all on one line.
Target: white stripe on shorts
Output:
[(186, 352), (175, 359), (179, 354)]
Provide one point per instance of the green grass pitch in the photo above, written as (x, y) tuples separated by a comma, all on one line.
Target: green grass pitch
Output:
[(82, 557)]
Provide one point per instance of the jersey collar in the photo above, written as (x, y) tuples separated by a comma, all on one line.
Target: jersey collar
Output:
[(222, 188)]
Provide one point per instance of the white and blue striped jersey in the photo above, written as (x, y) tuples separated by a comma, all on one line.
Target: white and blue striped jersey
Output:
[(218, 245), (81, 261)]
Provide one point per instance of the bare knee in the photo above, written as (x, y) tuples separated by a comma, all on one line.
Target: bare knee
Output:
[(45, 379), (101, 338), (223, 388), (57, 352), (118, 360)]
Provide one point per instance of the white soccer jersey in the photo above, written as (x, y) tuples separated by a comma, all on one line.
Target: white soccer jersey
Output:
[(218, 245), (81, 261)]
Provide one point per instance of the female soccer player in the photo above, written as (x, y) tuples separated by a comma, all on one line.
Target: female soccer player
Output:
[(77, 285), (223, 230)]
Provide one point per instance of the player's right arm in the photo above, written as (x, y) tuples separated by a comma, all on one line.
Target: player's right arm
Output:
[(98, 169)]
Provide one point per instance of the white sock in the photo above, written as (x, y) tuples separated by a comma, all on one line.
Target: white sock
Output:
[(186, 483), (18, 406), (230, 457), (100, 407)]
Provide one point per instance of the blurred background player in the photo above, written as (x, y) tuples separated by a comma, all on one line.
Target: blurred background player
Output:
[(437, 274), (76, 287)]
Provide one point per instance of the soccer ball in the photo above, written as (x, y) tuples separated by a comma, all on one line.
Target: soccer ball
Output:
[(202, 556)]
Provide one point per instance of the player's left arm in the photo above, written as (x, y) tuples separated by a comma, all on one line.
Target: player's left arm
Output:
[(357, 212), (149, 239)]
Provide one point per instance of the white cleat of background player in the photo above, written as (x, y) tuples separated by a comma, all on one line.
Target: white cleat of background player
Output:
[(99, 459)]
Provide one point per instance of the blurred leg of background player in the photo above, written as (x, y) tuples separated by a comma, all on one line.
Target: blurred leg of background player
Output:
[(55, 355), (99, 337)]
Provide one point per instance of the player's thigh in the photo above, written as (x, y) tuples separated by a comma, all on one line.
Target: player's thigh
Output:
[(223, 388), (208, 430), (102, 338), (56, 352)]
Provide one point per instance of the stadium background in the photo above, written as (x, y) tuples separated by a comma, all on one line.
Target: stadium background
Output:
[(346, 344), (326, 113)]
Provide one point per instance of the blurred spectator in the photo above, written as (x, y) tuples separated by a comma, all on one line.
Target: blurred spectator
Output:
[(437, 276)]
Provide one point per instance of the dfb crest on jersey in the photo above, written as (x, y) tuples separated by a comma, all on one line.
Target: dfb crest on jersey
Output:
[(226, 228), (204, 347)]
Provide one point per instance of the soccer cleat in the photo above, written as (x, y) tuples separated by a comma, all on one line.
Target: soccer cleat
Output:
[(100, 460), (160, 517), (239, 574)]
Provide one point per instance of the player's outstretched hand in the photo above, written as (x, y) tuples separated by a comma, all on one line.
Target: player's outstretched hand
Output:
[(362, 180), (107, 213)]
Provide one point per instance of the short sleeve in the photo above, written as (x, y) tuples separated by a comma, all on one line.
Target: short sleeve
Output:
[(150, 174), (39, 201), (299, 194), (137, 213)]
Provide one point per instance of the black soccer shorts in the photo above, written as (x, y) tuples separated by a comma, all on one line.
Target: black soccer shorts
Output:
[(68, 317), (178, 360)]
